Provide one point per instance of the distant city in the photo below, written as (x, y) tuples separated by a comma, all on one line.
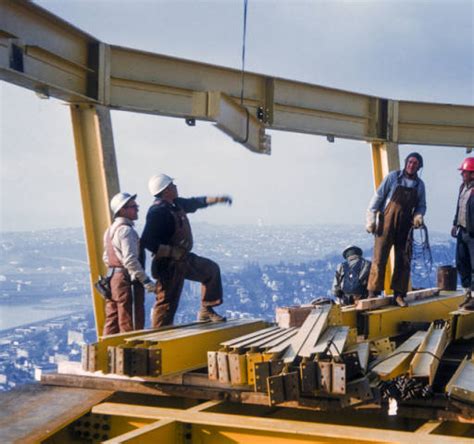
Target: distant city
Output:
[(45, 302)]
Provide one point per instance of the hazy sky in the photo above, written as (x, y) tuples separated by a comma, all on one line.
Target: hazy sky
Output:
[(413, 50)]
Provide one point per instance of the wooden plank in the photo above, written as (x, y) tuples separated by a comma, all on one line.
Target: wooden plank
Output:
[(398, 361), (295, 316), (372, 303), (426, 359), (33, 412)]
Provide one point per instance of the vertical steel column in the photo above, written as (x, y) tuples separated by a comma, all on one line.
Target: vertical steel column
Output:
[(98, 179), (385, 158)]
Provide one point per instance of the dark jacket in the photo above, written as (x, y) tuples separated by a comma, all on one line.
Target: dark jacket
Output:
[(160, 223), (469, 212)]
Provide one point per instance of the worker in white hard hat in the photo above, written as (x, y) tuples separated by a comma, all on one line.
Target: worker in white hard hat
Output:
[(350, 279), (125, 310), (167, 235)]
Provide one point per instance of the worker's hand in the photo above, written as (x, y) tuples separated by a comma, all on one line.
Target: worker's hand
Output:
[(219, 199), (370, 222), (150, 286), (418, 220), (454, 231), (177, 253)]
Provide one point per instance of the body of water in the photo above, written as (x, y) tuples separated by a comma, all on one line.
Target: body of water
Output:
[(17, 315)]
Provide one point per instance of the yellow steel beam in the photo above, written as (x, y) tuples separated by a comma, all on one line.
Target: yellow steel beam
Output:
[(385, 158), (43, 52), (219, 427), (385, 321), (98, 178)]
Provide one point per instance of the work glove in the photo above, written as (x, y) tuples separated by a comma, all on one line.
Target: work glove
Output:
[(370, 222), (177, 253), (454, 231), (219, 199), (150, 286), (418, 220)]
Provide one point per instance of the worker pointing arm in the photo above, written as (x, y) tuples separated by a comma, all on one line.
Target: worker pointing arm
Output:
[(168, 236)]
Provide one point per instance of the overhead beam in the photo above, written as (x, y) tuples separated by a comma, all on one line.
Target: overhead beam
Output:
[(44, 53)]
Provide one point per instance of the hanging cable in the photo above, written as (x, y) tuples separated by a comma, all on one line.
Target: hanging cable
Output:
[(244, 37), (419, 251)]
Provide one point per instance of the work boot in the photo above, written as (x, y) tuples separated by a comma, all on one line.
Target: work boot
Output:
[(468, 304), (208, 314), (400, 300), (467, 300)]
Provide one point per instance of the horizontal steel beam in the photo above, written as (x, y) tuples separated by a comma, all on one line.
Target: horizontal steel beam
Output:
[(239, 428), (41, 52)]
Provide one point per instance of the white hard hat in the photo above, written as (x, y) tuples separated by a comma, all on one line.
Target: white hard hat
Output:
[(119, 201), (158, 183)]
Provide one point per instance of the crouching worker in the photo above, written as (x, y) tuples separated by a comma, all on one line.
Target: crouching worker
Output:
[(125, 310), (350, 280)]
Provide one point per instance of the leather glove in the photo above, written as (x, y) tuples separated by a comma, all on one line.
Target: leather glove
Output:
[(454, 231), (174, 252), (370, 222), (150, 286), (177, 253), (219, 199), (418, 220)]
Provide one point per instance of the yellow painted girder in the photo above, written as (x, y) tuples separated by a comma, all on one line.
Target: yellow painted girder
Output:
[(98, 179), (217, 427), (67, 63), (385, 321)]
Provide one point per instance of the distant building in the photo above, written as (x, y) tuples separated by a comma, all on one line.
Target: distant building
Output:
[(75, 337), (44, 368)]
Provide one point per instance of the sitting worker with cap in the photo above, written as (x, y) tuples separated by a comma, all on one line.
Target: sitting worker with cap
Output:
[(401, 203), (350, 280), (167, 235), (125, 310), (463, 231)]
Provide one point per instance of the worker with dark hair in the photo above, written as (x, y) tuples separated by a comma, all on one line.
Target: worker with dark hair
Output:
[(350, 280), (167, 235), (125, 310), (398, 204), (463, 231)]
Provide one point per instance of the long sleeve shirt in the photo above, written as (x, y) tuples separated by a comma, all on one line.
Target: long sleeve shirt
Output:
[(386, 189), (160, 223), (126, 245)]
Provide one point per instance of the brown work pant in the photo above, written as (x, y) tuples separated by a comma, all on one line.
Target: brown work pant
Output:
[(170, 284), (128, 299), (395, 235)]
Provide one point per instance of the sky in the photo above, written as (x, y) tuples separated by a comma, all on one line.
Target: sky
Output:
[(407, 50)]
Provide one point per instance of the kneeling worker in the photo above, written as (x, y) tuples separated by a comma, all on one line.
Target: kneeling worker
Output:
[(125, 311), (350, 280), (167, 235)]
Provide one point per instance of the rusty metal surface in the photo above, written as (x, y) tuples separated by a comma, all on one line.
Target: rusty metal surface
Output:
[(34, 412)]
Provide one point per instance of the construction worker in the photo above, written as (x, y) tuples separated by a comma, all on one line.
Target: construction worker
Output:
[(463, 231), (398, 204), (167, 235), (125, 310), (350, 280)]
